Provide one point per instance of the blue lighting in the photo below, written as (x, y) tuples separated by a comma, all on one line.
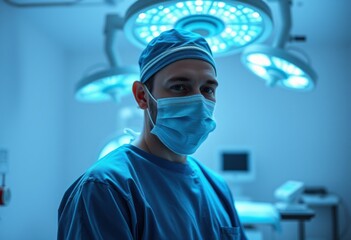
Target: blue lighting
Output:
[(279, 67), (127, 137), (116, 143), (259, 59), (228, 26), (106, 85)]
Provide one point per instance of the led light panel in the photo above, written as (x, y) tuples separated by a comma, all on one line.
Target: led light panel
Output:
[(278, 67), (228, 26), (107, 85)]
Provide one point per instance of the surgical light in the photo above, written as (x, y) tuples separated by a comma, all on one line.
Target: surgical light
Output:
[(277, 66), (227, 25), (105, 85), (111, 83)]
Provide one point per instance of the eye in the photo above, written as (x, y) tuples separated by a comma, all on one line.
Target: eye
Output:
[(178, 87), (208, 90)]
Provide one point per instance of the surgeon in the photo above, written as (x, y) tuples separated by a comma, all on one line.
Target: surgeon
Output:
[(152, 188)]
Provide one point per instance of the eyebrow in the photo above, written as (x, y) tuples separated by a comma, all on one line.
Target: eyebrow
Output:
[(185, 79), (212, 82)]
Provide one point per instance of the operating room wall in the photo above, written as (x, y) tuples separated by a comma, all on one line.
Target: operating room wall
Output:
[(32, 69)]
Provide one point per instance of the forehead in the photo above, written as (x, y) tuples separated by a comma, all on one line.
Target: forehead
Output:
[(188, 68)]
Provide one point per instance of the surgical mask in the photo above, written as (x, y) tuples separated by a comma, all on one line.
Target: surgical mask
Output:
[(183, 123)]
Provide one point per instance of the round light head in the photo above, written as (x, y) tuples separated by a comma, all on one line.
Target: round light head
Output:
[(279, 67), (228, 26), (110, 84)]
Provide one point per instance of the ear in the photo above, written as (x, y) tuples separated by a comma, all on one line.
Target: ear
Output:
[(139, 94)]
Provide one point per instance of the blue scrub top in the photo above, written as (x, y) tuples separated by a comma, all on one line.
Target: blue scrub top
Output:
[(131, 194)]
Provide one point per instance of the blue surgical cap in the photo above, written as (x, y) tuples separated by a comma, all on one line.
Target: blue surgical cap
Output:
[(171, 46)]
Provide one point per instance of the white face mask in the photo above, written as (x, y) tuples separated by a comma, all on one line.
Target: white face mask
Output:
[(183, 123)]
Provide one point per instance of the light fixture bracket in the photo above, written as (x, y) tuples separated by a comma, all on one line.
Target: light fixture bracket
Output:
[(114, 82)]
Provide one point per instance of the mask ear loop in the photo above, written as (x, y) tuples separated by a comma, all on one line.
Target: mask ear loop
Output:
[(148, 109)]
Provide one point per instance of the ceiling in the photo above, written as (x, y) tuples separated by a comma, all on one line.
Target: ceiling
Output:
[(80, 27)]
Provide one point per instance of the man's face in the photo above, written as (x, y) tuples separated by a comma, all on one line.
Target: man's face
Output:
[(183, 78)]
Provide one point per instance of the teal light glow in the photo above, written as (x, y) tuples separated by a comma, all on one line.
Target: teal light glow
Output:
[(258, 70), (228, 26), (106, 85), (127, 137), (259, 60), (278, 67), (296, 82), (115, 143)]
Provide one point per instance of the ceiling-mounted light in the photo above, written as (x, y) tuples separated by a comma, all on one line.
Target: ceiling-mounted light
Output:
[(279, 67), (113, 82), (276, 65), (227, 25), (105, 85)]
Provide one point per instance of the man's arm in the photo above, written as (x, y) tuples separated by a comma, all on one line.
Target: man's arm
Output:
[(95, 211)]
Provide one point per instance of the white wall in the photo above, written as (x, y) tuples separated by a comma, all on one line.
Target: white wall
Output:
[(32, 72), (52, 138)]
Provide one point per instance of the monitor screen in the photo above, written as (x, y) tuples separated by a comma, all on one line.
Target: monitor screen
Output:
[(236, 165), (235, 161)]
